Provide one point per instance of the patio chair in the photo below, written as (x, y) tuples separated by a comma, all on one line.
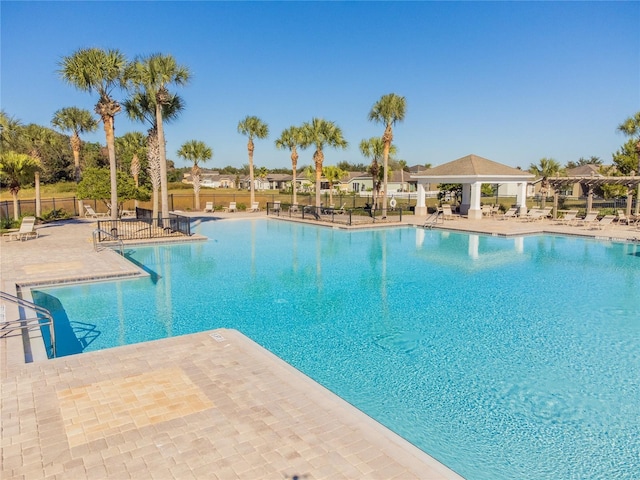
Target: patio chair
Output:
[(27, 230), (568, 218), (589, 218), (532, 215), (447, 214), (511, 213), (276, 207), (293, 208), (604, 222), (89, 212), (622, 218), (209, 207), (255, 207), (231, 208)]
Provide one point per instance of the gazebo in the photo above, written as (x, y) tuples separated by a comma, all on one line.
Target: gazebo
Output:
[(472, 171)]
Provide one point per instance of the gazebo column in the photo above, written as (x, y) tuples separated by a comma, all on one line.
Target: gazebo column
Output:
[(521, 198), (421, 206), (629, 200), (471, 201)]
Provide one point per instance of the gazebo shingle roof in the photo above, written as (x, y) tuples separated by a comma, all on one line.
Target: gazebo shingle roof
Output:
[(472, 165)]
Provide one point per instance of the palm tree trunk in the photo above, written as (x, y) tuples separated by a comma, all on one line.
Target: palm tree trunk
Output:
[(294, 165), (385, 155), (252, 187), (38, 198), (163, 163), (109, 129), (318, 157), (16, 215)]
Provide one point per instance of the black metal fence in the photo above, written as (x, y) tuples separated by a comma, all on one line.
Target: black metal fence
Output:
[(345, 216), (144, 227)]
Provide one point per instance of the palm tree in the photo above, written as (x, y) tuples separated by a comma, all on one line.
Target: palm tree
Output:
[(252, 127), (402, 164), (374, 149), (333, 175), (93, 69), (141, 107), (321, 133), (291, 139), (388, 110), (9, 132), (152, 75), (631, 128), (77, 121), (195, 151), (17, 169), (547, 167)]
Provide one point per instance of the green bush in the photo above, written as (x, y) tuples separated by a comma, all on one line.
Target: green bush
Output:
[(55, 214)]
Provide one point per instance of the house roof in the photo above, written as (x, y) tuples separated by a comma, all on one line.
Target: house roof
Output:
[(585, 170)]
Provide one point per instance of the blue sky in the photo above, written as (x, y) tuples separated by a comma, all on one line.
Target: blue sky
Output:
[(509, 81)]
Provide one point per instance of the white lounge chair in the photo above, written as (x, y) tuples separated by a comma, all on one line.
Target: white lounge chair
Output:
[(604, 222), (447, 214), (209, 207), (231, 208), (27, 230), (276, 207), (568, 218), (89, 212), (511, 213), (589, 218), (622, 218), (255, 207)]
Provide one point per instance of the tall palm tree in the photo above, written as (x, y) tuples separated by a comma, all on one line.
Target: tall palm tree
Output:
[(93, 69), (402, 164), (373, 148), (152, 75), (291, 139), (388, 110), (141, 107), (17, 169), (631, 128), (321, 133), (547, 167), (195, 151), (252, 127), (77, 121), (333, 175)]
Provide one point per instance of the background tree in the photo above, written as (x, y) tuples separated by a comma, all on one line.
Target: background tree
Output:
[(373, 148), (389, 110), (152, 75), (131, 149), (631, 128), (547, 167), (291, 139), (321, 133), (195, 151), (96, 185), (9, 132), (16, 171), (402, 164), (76, 121), (90, 70), (252, 127), (592, 160), (333, 176), (141, 107)]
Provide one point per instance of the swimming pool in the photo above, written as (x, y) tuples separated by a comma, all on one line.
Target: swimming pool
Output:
[(501, 357)]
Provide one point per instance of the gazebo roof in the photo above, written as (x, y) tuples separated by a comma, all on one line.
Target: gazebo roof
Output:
[(474, 167)]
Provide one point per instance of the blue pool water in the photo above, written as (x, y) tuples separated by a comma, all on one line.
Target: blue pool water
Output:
[(503, 358)]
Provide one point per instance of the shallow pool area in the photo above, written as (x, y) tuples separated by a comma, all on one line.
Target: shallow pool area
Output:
[(501, 357)]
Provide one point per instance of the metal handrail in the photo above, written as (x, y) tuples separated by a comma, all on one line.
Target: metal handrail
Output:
[(44, 319), (98, 233)]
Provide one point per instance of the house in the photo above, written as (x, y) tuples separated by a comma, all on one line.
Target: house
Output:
[(211, 179)]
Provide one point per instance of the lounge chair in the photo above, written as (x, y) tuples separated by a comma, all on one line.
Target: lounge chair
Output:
[(589, 218), (604, 222), (536, 214), (622, 218), (568, 218), (255, 207), (486, 210), (89, 212), (276, 207), (209, 207), (27, 230), (447, 214), (293, 208), (231, 208), (511, 213)]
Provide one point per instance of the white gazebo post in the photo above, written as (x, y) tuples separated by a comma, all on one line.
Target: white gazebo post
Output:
[(521, 198), (474, 212), (421, 206)]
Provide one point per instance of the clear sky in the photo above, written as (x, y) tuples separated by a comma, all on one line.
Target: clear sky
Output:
[(509, 81)]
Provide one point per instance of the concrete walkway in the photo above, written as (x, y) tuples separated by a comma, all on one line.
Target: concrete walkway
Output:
[(208, 405)]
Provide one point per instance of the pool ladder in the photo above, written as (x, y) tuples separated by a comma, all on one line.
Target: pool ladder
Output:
[(43, 318), (433, 219), (113, 240)]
